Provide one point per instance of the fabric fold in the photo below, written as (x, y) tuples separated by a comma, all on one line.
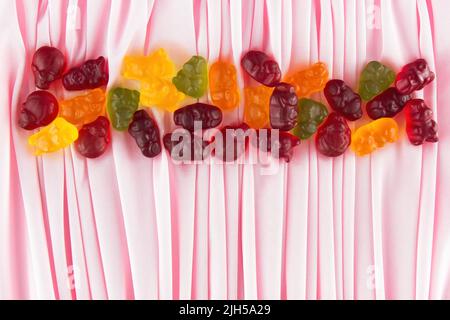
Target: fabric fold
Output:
[(127, 227)]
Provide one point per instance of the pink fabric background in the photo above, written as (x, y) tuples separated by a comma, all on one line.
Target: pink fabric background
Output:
[(124, 227)]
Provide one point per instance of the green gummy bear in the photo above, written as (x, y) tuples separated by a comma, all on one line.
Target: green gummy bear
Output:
[(375, 78), (122, 104), (310, 115), (192, 79)]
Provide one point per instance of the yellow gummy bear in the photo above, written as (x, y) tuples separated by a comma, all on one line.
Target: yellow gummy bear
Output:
[(155, 72), (145, 68), (56, 136), (374, 135), (161, 93)]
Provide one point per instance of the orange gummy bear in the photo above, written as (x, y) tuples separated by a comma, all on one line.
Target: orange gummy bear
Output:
[(256, 111), (374, 135), (309, 81), (223, 85), (83, 109)]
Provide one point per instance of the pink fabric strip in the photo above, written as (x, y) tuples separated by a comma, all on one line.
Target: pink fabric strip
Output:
[(126, 227)]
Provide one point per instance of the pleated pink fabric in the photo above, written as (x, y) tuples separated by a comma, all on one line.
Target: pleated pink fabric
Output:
[(127, 227)]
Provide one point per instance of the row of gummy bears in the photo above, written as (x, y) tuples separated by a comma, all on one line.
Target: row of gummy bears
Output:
[(273, 103)]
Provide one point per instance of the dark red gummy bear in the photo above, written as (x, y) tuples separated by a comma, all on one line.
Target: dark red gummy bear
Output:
[(283, 107), (94, 138), (387, 104), (40, 109), (146, 133), (48, 65), (262, 68), (183, 141), (414, 76), (343, 99), (210, 116), (90, 75), (334, 136), (234, 142), (284, 146), (420, 125)]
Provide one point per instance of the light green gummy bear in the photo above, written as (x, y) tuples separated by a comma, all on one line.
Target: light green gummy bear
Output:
[(311, 114), (375, 78), (122, 103), (192, 79)]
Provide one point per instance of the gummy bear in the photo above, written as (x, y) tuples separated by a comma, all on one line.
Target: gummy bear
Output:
[(387, 104), (189, 146), (256, 110), (262, 68), (146, 68), (210, 116), (146, 133), (414, 76), (309, 81), (233, 142), (283, 108), (56, 136), (284, 146), (333, 136), (48, 65), (223, 85), (83, 109), (155, 73), (161, 93), (420, 125), (310, 115), (122, 104), (192, 79), (343, 100), (39, 110), (90, 75), (374, 135), (375, 78), (94, 138)]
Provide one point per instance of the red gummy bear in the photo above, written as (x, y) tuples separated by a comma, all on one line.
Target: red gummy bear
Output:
[(414, 76), (39, 110), (94, 138), (234, 142), (90, 75), (262, 68), (283, 107), (387, 104), (186, 141), (48, 65), (343, 99), (285, 144), (420, 125), (210, 116), (146, 133), (334, 136)]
